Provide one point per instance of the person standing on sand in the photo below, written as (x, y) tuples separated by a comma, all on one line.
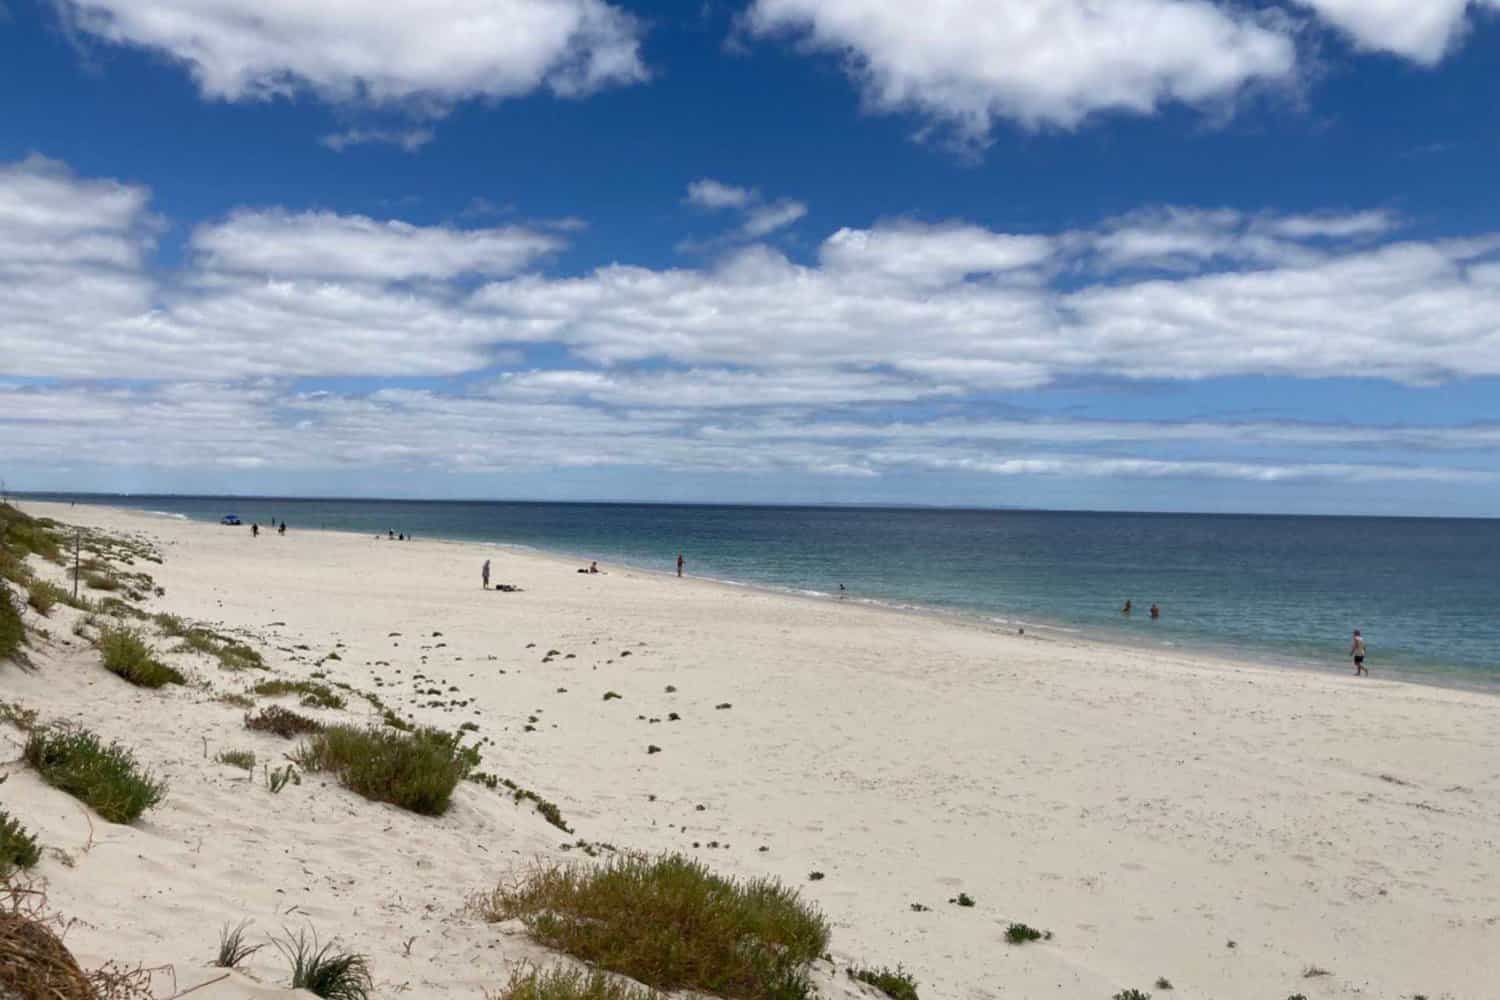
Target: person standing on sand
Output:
[(1155, 611), (679, 564), (1357, 650), (255, 531), (1126, 609), (484, 574)]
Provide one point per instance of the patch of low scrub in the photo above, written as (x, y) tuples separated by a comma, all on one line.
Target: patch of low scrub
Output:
[(897, 984), (282, 722), (104, 777), (326, 971), (18, 849), (416, 771), (560, 983), (101, 581), (231, 653), (1025, 934), (12, 629), (127, 655), (314, 695), (44, 595), (672, 924), (242, 759)]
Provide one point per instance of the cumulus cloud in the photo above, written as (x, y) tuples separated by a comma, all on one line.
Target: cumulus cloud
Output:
[(759, 217), (1040, 63), (381, 53), (709, 193), (1423, 31)]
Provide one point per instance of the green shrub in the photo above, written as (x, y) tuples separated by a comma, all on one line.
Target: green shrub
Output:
[(126, 654), (899, 985), (106, 778), (232, 947), (672, 924), (231, 653), (44, 595), (100, 581), (18, 849), (283, 722), (559, 983), (1022, 934), (12, 630), (326, 972), (416, 771), (242, 759), (314, 695), (1131, 995)]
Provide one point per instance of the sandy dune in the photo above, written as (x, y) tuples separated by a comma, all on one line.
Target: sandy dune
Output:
[(1224, 825)]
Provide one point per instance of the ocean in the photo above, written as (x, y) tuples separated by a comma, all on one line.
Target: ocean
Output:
[(1425, 592)]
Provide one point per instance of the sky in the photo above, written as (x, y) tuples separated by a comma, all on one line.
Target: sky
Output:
[(1216, 255)]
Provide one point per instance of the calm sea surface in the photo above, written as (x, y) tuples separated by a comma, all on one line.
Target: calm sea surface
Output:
[(1426, 592)]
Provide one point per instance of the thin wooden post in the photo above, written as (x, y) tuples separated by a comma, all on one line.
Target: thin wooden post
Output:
[(77, 541)]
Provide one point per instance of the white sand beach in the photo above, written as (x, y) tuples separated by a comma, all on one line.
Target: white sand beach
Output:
[(1228, 826)]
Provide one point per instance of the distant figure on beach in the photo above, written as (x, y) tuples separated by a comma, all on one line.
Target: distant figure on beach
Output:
[(593, 567), (391, 535), (680, 564), (843, 592), (401, 537), (1127, 608), (1155, 611), (281, 530), (254, 531), (1357, 650), (484, 574)]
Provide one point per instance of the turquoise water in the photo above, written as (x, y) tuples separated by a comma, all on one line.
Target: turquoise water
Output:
[(1425, 592)]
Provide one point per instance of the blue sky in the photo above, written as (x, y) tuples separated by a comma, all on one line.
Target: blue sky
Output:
[(1158, 254)]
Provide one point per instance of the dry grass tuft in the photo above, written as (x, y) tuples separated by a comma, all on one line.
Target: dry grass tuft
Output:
[(670, 923), (560, 983), (283, 722), (416, 771), (34, 963)]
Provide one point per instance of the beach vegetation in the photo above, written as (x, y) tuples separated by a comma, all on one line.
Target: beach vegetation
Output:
[(18, 715), (282, 721), (1131, 995), (314, 695), (670, 923), (416, 771), (104, 777), (277, 778), (233, 948), (101, 581), (12, 629), (44, 595), (897, 984), (18, 849), (232, 654), (1025, 934), (326, 971), (612, 695), (1163, 983), (127, 655), (242, 759), (236, 699), (23, 535), (558, 983), (1314, 972), (963, 899)]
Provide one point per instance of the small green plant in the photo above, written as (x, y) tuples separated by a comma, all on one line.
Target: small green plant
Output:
[(242, 759), (1163, 983), (314, 695), (326, 972), (670, 923), (1023, 934), (18, 849), (232, 947), (104, 777), (44, 595), (612, 695), (964, 899), (18, 715), (897, 984), (231, 653), (1131, 995), (126, 655), (12, 629), (283, 722), (1314, 972), (279, 778), (559, 983), (101, 581), (416, 771)]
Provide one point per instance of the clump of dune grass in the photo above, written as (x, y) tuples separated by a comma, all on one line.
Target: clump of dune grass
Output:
[(101, 581), (1131, 995), (242, 759), (282, 722), (104, 777), (314, 695), (44, 595), (558, 983), (236, 699), (12, 629), (232, 946), (1025, 934), (231, 653), (897, 984), (18, 849), (326, 971), (1163, 983), (416, 771), (18, 715), (127, 655), (670, 923)]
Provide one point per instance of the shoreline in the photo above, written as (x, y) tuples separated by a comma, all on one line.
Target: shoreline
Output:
[(1443, 676)]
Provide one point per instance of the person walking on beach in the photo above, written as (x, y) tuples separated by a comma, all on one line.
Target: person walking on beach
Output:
[(1127, 608), (1155, 611), (255, 531), (484, 574), (281, 530), (1357, 650), (680, 564)]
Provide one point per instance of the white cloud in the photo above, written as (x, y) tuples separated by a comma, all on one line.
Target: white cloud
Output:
[(1040, 63), (766, 219), (391, 51), (1420, 30), (408, 139), (712, 194), (322, 244)]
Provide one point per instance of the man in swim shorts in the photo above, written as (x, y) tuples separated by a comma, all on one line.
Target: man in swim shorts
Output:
[(1357, 650)]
